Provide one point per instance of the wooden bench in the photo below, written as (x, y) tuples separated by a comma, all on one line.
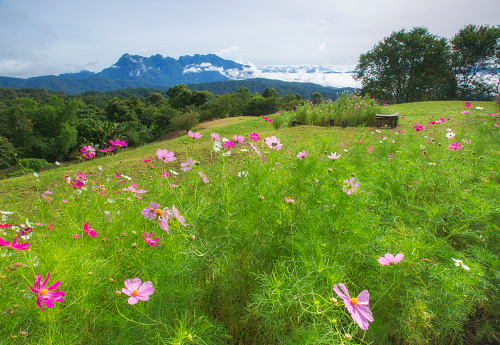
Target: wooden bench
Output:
[(386, 120)]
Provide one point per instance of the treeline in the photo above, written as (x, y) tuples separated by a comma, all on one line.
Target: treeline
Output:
[(49, 125), (412, 66)]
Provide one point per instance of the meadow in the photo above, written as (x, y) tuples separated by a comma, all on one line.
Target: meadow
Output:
[(249, 240)]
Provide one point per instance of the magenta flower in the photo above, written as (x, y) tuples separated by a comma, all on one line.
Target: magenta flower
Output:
[(87, 152), (229, 145), (334, 156), (302, 155), (119, 143), (150, 212), (15, 245), (215, 136), (359, 307), (136, 291), (254, 136), (109, 149), (165, 156), (468, 104), (239, 138), (151, 241), (147, 160), (89, 231), (455, 146), (465, 112), (47, 296), (165, 175), (273, 143), (390, 259), (203, 176), (188, 164), (418, 127), (194, 135)]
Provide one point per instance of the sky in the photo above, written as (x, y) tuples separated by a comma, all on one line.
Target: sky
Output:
[(61, 36)]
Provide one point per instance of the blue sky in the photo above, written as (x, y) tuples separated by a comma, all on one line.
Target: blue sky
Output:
[(59, 36)]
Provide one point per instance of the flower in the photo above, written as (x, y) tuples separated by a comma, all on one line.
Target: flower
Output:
[(118, 143), (391, 156), (302, 155), (255, 149), (460, 263), (150, 212), (194, 135), (87, 152), (15, 245), (479, 108), (215, 136), (390, 259), (243, 173), (109, 149), (350, 186), (165, 175), (455, 146), (188, 164), (418, 127), (203, 176), (89, 231), (136, 291), (273, 143), (450, 135), (334, 156), (359, 307), (289, 201), (175, 213), (254, 136), (217, 146), (165, 156), (239, 138), (147, 160), (47, 296), (151, 241), (465, 112), (229, 145), (468, 104)]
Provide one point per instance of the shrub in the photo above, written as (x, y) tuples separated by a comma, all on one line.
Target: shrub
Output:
[(185, 121), (7, 153)]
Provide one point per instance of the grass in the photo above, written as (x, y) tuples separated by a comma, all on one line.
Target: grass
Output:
[(251, 268)]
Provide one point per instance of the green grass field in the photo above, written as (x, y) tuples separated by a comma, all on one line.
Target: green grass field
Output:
[(252, 267)]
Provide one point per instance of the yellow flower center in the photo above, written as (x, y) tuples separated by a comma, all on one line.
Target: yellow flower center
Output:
[(135, 293), (44, 292), (152, 209), (354, 301), (158, 212)]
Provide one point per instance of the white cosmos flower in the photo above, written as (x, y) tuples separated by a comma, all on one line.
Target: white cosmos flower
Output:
[(217, 146), (36, 174), (173, 172), (460, 263), (243, 173), (227, 153), (450, 135)]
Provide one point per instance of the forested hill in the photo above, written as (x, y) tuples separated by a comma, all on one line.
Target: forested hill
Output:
[(305, 90)]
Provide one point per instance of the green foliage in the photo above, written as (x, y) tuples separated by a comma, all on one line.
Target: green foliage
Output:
[(28, 165), (184, 121), (7, 153)]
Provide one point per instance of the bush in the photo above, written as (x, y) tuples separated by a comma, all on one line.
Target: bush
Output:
[(185, 121), (29, 165), (7, 153)]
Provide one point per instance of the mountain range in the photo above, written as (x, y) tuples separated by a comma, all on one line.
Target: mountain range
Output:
[(156, 71)]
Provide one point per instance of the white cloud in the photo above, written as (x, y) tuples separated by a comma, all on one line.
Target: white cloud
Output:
[(322, 46), (226, 51)]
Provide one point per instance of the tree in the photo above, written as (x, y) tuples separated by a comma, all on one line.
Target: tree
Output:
[(316, 98), (476, 61), (407, 67), (268, 93)]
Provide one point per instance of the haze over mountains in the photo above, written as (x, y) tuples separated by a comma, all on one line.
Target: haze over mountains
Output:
[(161, 72)]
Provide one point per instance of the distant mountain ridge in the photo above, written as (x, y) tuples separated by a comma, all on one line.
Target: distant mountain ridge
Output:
[(156, 71)]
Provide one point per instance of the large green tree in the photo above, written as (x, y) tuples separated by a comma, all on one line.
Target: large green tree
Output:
[(407, 66), (476, 61)]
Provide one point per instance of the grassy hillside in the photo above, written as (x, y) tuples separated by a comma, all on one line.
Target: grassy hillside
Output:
[(267, 237)]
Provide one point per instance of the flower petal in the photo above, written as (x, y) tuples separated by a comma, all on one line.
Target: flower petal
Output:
[(398, 258), (364, 297)]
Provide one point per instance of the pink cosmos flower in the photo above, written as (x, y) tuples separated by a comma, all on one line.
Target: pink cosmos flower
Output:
[(87, 152), (136, 291), (76, 236), (289, 201), (176, 214), (165, 175), (151, 241), (255, 149), (455, 146), (302, 155), (165, 156), (390, 259), (350, 186), (15, 245), (334, 156), (465, 112), (359, 307), (89, 231), (204, 177), (239, 138), (194, 135), (188, 164), (5, 225), (47, 295), (147, 160), (418, 127), (150, 212), (109, 149), (215, 136), (391, 156), (468, 104), (118, 143), (273, 143), (254, 136), (229, 144)]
